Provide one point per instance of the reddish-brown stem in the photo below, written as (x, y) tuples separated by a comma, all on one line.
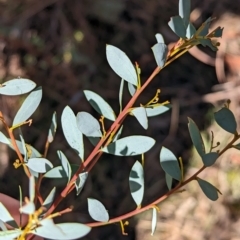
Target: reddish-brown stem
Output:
[(93, 156), (165, 196), (38, 185), (137, 211), (46, 148)]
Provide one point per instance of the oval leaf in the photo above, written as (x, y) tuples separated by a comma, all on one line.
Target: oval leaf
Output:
[(226, 120), (53, 128), (88, 125), (190, 30), (80, 182), (17, 86), (184, 11), (177, 25), (209, 190), (169, 180), (118, 134), (71, 131), (121, 64), (132, 89), (130, 146), (10, 234), (29, 106), (4, 139), (160, 51), (157, 110), (31, 151), (65, 164), (196, 137), (136, 183), (97, 211), (170, 164), (28, 208), (100, 105), (210, 158), (61, 231), (39, 165), (49, 199), (141, 116), (204, 28), (159, 38), (58, 172)]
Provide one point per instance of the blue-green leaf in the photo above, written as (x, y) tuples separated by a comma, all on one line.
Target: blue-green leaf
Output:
[(100, 105), (94, 140), (6, 217), (169, 180), (28, 208), (218, 32), (170, 164), (177, 25), (205, 27), (184, 11), (24, 147), (154, 220), (39, 165), (160, 51), (210, 158), (33, 153), (121, 65), (157, 109), (2, 227), (80, 182), (49, 199), (61, 231), (196, 137), (53, 128), (191, 30), (58, 172), (17, 86), (10, 234), (4, 139), (130, 146), (159, 38), (141, 115), (29, 106), (226, 120), (71, 131), (136, 183), (65, 164), (97, 211), (31, 150), (132, 89), (118, 134), (208, 42), (209, 190), (88, 125)]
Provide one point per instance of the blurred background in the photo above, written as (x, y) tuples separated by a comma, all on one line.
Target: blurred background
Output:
[(61, 44)]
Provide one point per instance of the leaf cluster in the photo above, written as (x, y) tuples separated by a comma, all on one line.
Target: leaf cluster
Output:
[(81, 127)]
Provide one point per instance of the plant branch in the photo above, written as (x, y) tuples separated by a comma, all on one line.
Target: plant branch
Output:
[(96, 154)]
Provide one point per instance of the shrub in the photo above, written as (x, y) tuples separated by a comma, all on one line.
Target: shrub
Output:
[(37, 213)]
